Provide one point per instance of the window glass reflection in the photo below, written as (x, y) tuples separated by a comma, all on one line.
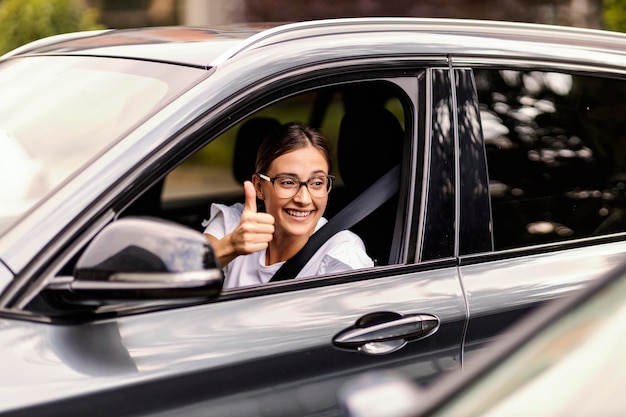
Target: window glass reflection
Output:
[(556, 151), (440, 211)]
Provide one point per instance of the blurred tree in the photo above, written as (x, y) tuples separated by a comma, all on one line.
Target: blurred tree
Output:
[(581, 13), (23, 21), (614, 15)]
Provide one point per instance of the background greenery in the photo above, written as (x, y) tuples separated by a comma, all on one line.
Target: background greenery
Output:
[(614, 15), (23, 21)]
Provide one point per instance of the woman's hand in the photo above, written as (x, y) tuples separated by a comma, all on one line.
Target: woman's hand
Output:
[(254, 232)]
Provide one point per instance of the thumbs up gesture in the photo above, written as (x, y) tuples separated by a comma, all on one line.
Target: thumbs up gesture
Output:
[(255, 230)]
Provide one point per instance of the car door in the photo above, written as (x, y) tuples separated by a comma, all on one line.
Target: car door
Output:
[(552, 138), (274, 350)]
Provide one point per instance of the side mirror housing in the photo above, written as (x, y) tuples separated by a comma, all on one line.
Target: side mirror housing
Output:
[(145, 259)]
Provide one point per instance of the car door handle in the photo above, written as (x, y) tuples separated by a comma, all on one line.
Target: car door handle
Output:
[(385, 332)]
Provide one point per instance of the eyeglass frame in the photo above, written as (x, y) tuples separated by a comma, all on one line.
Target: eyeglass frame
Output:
[(330, 179)]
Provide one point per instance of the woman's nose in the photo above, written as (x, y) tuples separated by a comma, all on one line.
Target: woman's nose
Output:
[(302, 196)]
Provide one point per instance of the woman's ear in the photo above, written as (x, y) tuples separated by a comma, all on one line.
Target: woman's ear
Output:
[(257, 186)]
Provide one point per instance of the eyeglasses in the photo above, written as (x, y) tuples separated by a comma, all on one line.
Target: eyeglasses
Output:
[(287, 186)]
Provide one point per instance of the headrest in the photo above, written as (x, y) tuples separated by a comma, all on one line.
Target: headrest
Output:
[(370, 144), (249, 138)]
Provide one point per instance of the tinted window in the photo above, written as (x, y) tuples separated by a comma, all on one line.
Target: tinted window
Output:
[(555, 151)]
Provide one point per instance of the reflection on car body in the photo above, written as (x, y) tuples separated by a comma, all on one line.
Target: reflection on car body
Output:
[(564, 360), (509, 194)]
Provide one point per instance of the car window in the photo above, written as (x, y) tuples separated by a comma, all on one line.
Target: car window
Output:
[(101, 99), (211, 171), (215, 174), (555, 147), (363, 151)]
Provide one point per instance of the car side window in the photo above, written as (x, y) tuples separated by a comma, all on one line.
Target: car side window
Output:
[(556, 155), (218, 170), (362, 153)]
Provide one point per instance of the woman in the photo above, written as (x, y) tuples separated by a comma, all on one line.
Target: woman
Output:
[(292, 180)]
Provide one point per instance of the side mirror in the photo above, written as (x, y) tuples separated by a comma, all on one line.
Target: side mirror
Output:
[(145, 259)]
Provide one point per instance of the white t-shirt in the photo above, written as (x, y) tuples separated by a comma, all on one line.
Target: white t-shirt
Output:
[(344, 251)]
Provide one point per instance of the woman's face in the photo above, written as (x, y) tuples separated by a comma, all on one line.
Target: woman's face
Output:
[(296, 216)]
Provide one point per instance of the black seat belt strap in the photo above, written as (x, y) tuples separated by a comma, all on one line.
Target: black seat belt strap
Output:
[(372, 198)]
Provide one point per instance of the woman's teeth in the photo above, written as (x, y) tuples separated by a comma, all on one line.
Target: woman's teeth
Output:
[(298, 213)]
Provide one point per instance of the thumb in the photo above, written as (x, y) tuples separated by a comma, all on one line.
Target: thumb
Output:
[(250, 195)]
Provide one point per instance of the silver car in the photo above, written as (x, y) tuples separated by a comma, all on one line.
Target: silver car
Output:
[(482, 163)]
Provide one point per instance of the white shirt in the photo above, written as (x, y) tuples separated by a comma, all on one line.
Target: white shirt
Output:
[(344, 251)]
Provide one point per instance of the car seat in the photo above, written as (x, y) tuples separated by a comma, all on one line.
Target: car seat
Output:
[(370, 144), (249, 138)]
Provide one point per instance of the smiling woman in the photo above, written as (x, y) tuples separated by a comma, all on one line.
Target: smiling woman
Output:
[(292, 181)]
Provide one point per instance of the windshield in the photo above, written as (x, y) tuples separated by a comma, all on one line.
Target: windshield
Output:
[(58, 112)]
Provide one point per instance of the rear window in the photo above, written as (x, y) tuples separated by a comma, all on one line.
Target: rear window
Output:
[(556, 153)]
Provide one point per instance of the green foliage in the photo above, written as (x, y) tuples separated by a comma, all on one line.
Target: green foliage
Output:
[(614, 15), (23, 21)]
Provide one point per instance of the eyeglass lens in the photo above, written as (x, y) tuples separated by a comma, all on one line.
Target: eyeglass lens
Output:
[(288, 186)]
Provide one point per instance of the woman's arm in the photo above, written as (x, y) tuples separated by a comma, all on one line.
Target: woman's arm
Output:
[(345, 252)]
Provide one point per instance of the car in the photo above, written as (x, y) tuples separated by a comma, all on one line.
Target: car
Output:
[(565, 359), (480, 162)]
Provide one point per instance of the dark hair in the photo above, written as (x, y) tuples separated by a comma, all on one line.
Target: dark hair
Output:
[(287, 138)]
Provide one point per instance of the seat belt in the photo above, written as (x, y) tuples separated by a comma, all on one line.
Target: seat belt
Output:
[(369, 200)]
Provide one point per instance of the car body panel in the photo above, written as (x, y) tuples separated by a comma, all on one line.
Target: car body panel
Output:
[(506, 34), (574, 344), (83, 359), (518, 284), (524, 281)]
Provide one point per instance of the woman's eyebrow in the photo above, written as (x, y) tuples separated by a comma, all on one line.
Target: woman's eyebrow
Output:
[(292, 174)]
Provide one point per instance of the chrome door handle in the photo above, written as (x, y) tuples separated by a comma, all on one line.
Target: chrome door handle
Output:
[(385, 332)]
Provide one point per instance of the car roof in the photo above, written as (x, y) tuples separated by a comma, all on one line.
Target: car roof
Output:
[(176, 44), (206, 47), (490, 29)]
